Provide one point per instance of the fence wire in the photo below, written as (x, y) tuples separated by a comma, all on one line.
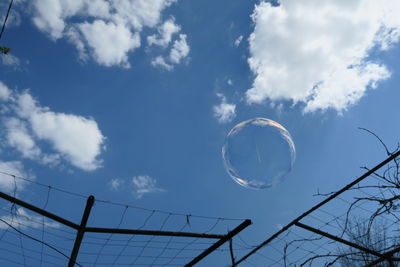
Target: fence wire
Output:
[(365, 215), (355, 226), (29, 239)]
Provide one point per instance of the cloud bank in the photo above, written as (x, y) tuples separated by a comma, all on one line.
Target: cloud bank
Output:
[(318, 52)]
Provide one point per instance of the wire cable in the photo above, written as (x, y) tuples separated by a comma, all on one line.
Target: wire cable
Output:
[(6, 18)]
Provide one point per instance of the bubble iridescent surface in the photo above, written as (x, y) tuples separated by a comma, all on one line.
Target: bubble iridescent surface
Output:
[(258, 153)]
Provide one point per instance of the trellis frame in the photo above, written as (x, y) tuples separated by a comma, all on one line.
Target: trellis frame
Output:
[(296, 222), (82, 229)]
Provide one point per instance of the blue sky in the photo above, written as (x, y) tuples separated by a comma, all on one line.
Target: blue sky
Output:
[(131, 100)]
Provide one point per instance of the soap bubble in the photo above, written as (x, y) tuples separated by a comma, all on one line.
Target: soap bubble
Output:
[(258, 153)]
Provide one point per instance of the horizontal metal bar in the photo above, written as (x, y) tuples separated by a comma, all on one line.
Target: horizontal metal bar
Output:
[(338, 239), (38, 210), (320, 204), (219, 243), (150, 232)]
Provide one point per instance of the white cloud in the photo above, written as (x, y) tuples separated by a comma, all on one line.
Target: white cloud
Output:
[(5, 92), (109, 42), (10, 60), (224, 112), (17, 136), (180, 49), (109, 30), (317, 52), (116, 184), (49, 17), (22, 220), (144, 184), (76, 138), (71, 137), (160, 61), (140, 13), (238, 40), (75, 37), (7, 182), (165, 32)]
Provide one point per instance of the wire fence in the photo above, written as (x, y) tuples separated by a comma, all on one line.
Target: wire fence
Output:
[(162, 238), (355, 226)]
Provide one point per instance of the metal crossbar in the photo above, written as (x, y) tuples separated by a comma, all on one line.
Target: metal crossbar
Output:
[(82, 229), (320, 204), (219, 243)]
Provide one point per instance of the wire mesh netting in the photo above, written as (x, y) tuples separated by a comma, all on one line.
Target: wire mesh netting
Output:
[(30, 239), (358, 227), (355, 226)]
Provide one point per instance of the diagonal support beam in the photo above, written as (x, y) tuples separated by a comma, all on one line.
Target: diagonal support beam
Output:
[(81, 231), (219, 243), (38, 210), (320, 204), (343, 241)]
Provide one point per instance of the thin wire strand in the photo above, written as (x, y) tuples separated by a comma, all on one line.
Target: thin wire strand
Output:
[(168, 243), (44, 207), (128, 242), (148, 241), (5, 19), (109, 237), (37, 240), (117, 203)]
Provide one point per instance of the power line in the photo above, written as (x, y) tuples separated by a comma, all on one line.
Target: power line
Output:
[(6, 18)]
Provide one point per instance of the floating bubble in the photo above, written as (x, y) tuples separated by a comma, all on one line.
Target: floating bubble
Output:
[(258, 153)]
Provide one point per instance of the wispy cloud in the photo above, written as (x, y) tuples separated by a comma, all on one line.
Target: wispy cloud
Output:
[(178, 53), (144, 184), (5, 92), (22, 220), (17, 136), (139, 185), (8, 183), (238, 40), (165, 33), (180, 49), (224, 112), (10, 60), (159, 61), (116, 184)]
